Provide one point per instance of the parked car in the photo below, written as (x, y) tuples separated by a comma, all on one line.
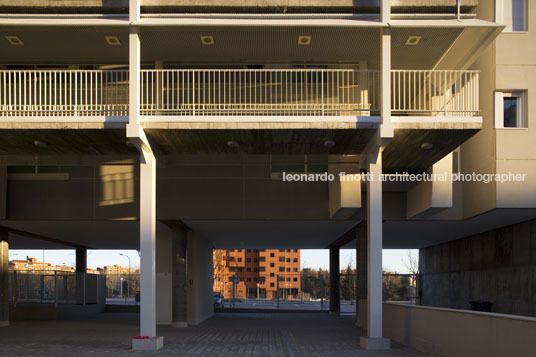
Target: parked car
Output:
[(218, 300)]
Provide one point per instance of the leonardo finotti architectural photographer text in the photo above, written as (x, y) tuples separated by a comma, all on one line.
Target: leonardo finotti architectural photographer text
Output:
[(406, 177)]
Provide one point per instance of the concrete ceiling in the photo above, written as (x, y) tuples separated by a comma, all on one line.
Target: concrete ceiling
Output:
[(238, 44)]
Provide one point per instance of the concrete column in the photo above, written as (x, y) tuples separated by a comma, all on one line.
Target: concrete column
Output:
[(374, 338), (136, 135), (200, 276), (179, 304), (386, 128), (361, 264), (4, 278), (81, 269), (334, 281)]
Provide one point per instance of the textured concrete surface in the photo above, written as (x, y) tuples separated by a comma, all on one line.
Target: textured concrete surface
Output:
[(497, 266), (223, 335)]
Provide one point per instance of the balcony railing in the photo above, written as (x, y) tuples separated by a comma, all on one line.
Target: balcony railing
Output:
[(433, 93), (235, 92), (272, 92), (73, 93)]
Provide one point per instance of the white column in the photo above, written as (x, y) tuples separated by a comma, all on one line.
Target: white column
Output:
[(386, 128), (147, 244), (374, 338), (136, 135)]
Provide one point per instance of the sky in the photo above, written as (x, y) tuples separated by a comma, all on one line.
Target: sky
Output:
[(394, 260)]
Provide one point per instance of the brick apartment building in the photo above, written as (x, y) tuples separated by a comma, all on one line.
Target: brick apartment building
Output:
[(256, 271)]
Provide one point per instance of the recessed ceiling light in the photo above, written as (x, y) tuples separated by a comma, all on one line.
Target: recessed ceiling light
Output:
[(112, 40), (329, 143), (40, 144), (232, 144), (207, 40), (304, 40), (427, 146), (14, 40), (413, 40)]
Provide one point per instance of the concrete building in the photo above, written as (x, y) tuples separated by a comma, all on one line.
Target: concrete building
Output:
[(172, 127), (256, 272)]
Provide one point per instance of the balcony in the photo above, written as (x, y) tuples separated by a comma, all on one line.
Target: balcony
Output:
[(205, 94)]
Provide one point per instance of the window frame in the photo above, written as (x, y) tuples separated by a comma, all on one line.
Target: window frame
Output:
[(500, 17), (499, 109)]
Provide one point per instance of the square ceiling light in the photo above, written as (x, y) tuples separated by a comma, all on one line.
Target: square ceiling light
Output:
[(112, 40), (14, 40), (207, 40), (413, 40), (304, 40)]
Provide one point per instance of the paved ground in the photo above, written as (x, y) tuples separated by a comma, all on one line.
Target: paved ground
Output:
[(251, 334)]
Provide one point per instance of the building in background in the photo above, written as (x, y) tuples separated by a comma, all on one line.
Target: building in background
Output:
[(33, 265), (255, 273)]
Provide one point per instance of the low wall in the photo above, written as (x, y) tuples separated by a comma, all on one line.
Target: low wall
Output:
[(449, 332)]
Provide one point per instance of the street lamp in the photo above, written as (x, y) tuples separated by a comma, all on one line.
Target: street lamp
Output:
[(128, 284), (258, 290)]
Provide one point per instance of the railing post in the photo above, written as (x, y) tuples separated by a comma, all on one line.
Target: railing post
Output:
[(55, 288), (322, 89), (193, 93)]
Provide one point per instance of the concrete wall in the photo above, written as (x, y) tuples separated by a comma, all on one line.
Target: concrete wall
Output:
[(163, 276), (516, 71), (459, 333), (497, 266), (200, 279)]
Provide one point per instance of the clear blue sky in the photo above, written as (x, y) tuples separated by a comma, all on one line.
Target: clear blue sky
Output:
[(393, 259)]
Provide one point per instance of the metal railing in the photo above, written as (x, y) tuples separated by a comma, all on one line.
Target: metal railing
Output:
[(236, 92), (272, 92), (63, 93), (434, 93), (54, 287)]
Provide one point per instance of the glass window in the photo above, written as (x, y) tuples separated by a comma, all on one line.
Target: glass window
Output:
[(281, 268), (295, 279), (271, 284), (295, 260), (509, 110), (515, 15), (272, 255)]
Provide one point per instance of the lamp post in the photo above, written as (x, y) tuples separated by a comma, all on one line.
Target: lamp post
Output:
[(128, 284), (258, 291)]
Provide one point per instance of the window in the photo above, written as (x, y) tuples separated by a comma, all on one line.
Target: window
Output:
[(255, 279), (272, 284), (248, 260), (262, 259), (510, 110), (248, 250), (288, 279), (281, 259), (295, 269), (288, 260), (239, 259), (262, 269), (281, 250), (295, 260), (288, 270), (231, 259), (295, 279), (281, 268), (255, 260), (272, 255), (514, 15), (272, 275), (248, 279), (255, 270), (248, 270), (272, 265)]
